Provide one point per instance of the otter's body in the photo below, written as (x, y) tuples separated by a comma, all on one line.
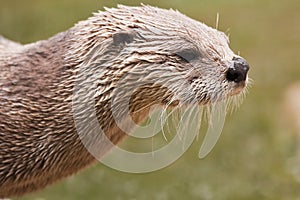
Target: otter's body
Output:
[(39, 142)]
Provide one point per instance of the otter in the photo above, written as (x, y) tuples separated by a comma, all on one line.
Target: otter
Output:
[(39, 143)]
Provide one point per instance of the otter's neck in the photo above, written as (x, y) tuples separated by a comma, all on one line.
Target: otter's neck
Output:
[(38, 138)]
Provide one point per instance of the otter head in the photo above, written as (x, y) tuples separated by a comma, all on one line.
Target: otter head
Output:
[(156, 48), (150, 56)]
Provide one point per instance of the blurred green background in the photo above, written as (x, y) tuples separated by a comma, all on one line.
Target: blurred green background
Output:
[(254, 158)]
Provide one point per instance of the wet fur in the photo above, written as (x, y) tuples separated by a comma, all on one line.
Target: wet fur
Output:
[(39, 143)]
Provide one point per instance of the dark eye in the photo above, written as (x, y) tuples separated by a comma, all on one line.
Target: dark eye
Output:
[(188, 55)]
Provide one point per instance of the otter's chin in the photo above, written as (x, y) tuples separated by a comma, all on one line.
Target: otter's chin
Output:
[(238, 88)]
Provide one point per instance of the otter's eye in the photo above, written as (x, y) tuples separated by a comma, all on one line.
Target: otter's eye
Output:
[(122, 38), (188, 55)]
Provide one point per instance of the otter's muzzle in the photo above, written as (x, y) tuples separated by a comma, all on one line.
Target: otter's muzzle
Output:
[(238, 71)]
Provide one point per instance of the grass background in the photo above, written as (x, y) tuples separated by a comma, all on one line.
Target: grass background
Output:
[(254, 158)]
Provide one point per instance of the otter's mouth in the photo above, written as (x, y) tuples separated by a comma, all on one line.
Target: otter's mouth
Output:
[(239, 88)]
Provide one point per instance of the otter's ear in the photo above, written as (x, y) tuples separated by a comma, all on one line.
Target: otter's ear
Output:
[(122, 38)]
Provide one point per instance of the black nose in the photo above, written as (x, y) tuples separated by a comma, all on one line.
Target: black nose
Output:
[(238, 71)]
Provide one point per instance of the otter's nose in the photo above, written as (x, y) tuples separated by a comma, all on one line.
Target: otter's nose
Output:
[(238, 71)]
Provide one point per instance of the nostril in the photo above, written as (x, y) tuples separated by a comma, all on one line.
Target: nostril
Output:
[(233, 75), (238, 71)]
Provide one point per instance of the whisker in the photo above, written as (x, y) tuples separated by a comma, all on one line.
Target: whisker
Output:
[(228, 32), (163, 120), (180, 121), (217, 21), (140, 109), (200, 114), (189, 119), (218, 115), (165, 110)]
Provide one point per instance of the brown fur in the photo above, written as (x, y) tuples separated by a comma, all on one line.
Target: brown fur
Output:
[(39, 143)]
